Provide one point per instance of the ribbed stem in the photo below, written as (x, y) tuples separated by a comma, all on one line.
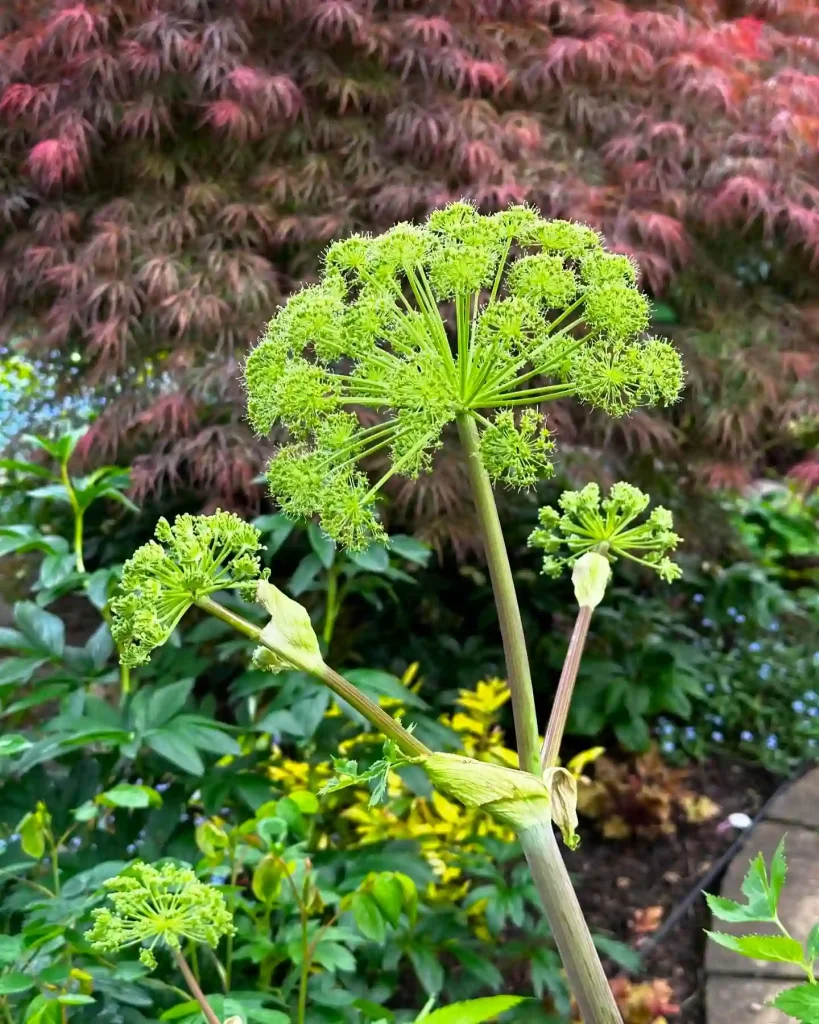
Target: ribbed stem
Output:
[(195, 990), (586, 976), (571, 934), (374, 714), (565, 689), (503, 586)]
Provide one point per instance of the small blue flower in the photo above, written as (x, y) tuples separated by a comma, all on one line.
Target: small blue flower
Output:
[(698, 598), (668, 746), (710, 687), (717, 720), (746, 736), (816, 657), (754, 646), (690, 733), (798, 705), (811, 743), (810, 695), (717, 736), (199, 819), (217, 879), (772, 742), (740, 618), (75, 842), (162, 787), (765, 671), (708, 623), (14, 837), (774, 626), (131, 848), (732, 612), (667, 729), (813, 712)]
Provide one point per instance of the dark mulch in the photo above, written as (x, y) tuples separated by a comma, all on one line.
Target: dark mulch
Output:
[(615, 878)]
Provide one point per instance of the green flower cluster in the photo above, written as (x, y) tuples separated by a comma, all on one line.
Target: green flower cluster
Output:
[(197, 556), (589, 524), (534, 310), (159, 905)]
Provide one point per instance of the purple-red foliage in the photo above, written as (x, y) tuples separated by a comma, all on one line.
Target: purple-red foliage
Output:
[(172, 168)]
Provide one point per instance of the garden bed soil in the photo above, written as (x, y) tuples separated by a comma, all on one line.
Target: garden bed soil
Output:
[(621, 883)]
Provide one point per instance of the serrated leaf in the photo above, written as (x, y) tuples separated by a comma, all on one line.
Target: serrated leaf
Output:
[(801, 1001), (755, 884), (772, 948), (474, 1011), (779, 871), (729, 910)]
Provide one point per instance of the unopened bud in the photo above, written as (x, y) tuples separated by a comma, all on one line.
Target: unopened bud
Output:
[(289, 633), (590, 576)]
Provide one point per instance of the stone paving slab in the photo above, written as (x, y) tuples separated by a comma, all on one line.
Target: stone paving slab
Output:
[(743, 1001), (799, 905), (738, 990), (799, 803)]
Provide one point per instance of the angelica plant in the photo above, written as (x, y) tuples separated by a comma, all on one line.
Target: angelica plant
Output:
[(472, 322), (162, 906)]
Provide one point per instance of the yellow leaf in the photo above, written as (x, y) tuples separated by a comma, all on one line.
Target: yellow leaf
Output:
[(447, 810), (699, 808), (584, 758)]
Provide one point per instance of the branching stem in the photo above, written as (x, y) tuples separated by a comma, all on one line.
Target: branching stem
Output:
[(565, 688)]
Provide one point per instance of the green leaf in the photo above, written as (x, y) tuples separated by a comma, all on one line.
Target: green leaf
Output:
[(306, 801), (276, 529), (181, 1010), (729, 910), (259, 1015), (75, 999), (178, 751), (474, 1011), (56, 569), (801, 1001), (755, 885), (167, 701), (10, 948), (633, 734), (374, 558), (267, 878), (374, 1011), (388, 893), (18, 670), (32, 836), (368, 917), (773, 948), (13, 744), (324, 546), (410, 549), (428, 968), (41, 627), (779, 871), (56, 492), (100, 646), (21, 466), (812, 944), (125, 795), (15, 982), (304, 576)]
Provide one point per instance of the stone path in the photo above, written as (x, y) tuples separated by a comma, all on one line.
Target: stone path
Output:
[(738, 990)]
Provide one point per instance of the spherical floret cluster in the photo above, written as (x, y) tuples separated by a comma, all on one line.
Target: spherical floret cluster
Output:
[(464, 316)]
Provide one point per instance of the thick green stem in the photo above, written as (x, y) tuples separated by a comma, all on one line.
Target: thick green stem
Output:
[(500, 572), (586, 976), (374, 714), (75, 508), (574, 943), (565, 689), (195, 989)]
